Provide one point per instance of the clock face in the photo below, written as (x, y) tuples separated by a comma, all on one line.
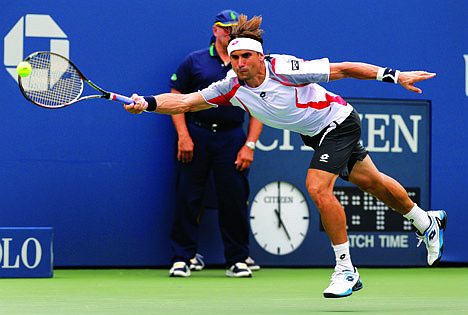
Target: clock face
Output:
[(279, 218)]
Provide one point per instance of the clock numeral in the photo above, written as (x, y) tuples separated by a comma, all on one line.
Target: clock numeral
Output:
[(305, 218), (279, 250), (252, 217), (292, 246)]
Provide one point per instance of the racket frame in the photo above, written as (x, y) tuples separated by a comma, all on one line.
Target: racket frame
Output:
[(105, 94)]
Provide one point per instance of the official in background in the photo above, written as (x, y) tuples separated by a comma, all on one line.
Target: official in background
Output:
[(212, 141)]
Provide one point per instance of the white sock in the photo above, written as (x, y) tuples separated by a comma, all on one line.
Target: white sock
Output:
[(343, 259), (419, 218)]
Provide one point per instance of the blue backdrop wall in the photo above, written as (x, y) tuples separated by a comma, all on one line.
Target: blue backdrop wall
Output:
[(104, 179)]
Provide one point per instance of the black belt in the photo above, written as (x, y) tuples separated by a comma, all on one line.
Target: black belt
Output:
[(214, 127)]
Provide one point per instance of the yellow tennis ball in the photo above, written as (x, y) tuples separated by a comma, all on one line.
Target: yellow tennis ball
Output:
[(23, 69)]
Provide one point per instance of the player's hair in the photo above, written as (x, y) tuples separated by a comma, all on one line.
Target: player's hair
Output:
[(248, 29)]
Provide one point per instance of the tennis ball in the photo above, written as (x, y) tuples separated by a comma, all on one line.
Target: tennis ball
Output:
[(23, 69)]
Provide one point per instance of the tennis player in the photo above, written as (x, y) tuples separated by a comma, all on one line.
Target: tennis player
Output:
[(281, 91)]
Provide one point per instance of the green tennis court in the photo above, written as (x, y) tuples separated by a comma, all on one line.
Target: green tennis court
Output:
[(270, 291)]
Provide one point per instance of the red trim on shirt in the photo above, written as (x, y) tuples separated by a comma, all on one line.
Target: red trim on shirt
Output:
[(322, 104), (245, 107), (224, 99)]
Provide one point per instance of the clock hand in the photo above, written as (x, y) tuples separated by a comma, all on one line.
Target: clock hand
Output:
[(281, 223), (279, 206)]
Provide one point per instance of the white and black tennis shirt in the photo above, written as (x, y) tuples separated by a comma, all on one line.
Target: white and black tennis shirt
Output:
[(289, 97)]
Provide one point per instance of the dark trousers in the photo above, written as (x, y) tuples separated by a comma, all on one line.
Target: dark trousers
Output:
[(216, 152)]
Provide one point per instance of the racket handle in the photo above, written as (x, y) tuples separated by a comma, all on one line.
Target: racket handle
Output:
[(120, 98)]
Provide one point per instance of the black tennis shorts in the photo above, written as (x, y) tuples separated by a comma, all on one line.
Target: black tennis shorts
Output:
[(337, 147)]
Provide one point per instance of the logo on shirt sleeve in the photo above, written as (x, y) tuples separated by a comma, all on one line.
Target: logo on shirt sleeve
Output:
[(295, 64)]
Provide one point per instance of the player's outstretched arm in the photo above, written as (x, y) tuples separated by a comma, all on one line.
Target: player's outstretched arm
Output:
[(364, 71), (168, 103)]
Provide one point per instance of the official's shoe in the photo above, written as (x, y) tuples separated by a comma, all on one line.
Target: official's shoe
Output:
[(197, 263), (343, 283), (251, 264), (179, 269), (433, 237), (239, 270)]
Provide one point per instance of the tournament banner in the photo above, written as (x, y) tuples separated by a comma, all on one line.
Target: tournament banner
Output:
[(285, 224), (26, 252)]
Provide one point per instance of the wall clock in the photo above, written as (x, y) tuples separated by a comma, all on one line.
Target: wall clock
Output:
[(279, 218)]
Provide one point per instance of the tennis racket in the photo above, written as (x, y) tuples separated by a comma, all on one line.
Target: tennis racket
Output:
[(55, 82)]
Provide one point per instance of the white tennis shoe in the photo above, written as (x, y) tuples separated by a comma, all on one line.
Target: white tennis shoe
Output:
[(239, 270), (343, 283), (433, 237), (179, 269)]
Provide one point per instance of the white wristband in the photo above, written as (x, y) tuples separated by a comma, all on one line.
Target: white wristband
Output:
[(380, 74)]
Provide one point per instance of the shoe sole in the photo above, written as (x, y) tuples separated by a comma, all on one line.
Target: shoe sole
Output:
[(441, 235), (358, 286)]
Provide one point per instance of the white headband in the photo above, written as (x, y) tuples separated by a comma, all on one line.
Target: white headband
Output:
[(244, 43)]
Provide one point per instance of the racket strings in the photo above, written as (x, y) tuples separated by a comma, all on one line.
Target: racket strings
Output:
[(53, 81)]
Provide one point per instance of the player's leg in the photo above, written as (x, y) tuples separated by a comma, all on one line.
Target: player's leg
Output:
[(333, 147), (430, 225), (367, 177), (320, 187), (345, 279)]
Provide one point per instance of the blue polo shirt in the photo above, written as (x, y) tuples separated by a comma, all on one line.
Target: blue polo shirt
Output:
[(198, 70)]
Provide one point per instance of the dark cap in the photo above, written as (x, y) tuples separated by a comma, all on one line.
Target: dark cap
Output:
[(227, 18)]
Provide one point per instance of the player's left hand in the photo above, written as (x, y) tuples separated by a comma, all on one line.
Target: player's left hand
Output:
[(409, 78), (244, 158)]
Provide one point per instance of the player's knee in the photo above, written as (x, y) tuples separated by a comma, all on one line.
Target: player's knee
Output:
[(319, 193)]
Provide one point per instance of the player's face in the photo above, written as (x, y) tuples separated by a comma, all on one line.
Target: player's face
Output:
[(246, 63)]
